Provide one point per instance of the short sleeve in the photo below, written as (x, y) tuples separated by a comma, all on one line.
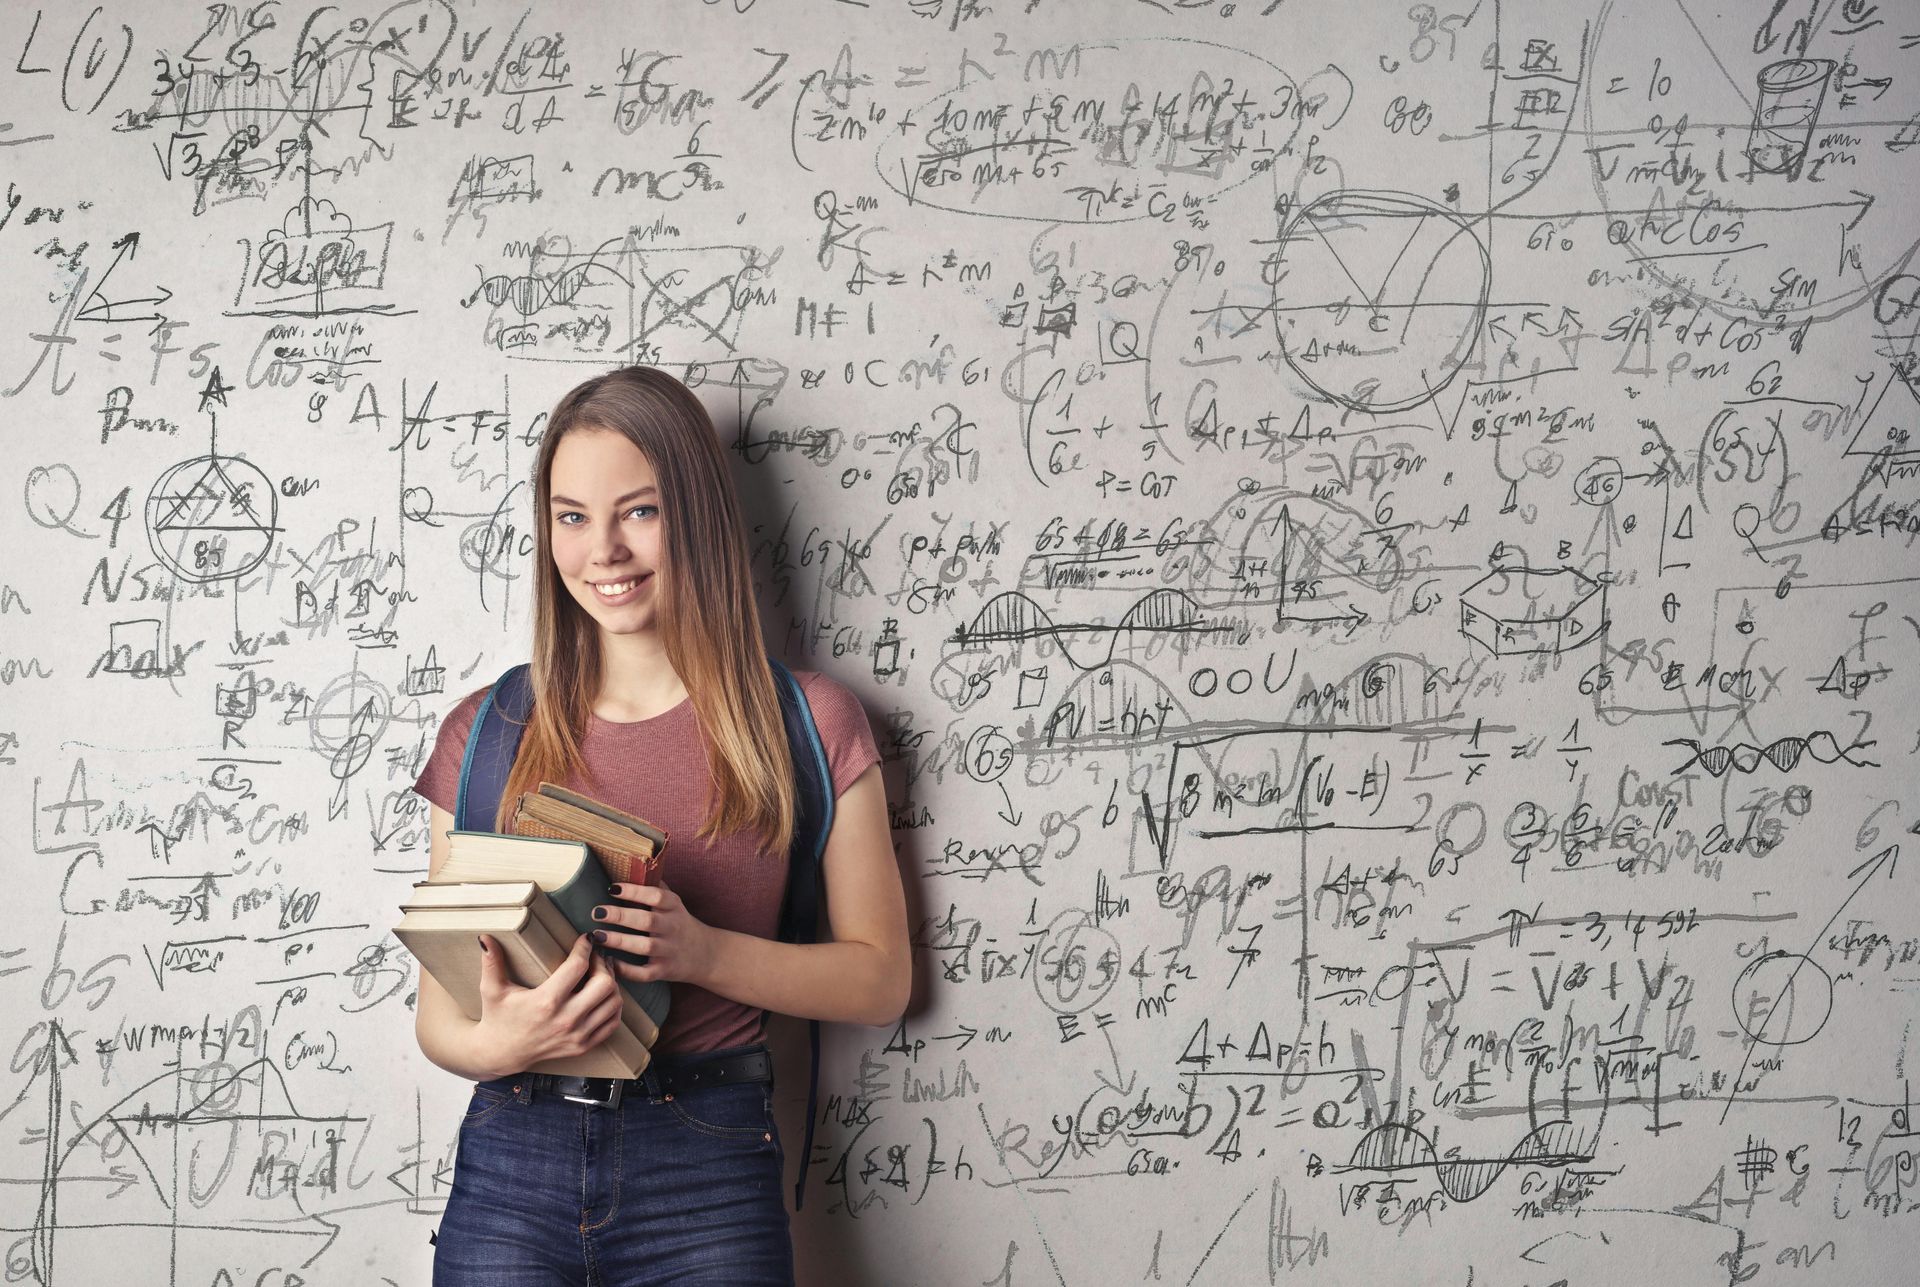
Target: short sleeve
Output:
[(439, 781), (844, 730)]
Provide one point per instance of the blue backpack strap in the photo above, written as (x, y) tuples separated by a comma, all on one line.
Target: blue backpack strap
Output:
[(799, 911), (491, 744)]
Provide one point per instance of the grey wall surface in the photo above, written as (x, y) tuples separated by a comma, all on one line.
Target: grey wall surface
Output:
[(1377, 541)]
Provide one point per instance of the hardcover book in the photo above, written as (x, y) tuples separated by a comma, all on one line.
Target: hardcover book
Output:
[(440, 932)]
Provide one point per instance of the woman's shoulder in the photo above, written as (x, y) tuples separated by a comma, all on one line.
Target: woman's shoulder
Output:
[(842, 721), (836, 708), (470, 703), (823, 689), (460, 716)]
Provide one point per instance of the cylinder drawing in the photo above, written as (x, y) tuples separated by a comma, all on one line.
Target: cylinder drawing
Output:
[(1785, 113)]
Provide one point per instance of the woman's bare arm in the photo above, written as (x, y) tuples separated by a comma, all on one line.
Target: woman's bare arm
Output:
[(446, 1035)]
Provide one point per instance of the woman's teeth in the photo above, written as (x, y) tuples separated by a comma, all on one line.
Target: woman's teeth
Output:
[(613, 590)]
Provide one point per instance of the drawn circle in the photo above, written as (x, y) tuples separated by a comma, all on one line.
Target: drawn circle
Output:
[(1599, 483), (348, 720), (1787, 996), (1526, 825), (1444, 829), (988, 754), (206, 519), (1380, 297), (484, 546), (1077, 963), (1792, 74)]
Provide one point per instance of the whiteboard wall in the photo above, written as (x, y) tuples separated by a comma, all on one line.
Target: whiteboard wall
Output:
[(1377, 542)]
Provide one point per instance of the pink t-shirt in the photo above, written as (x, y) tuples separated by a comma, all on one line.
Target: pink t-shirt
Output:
[(657, 769)]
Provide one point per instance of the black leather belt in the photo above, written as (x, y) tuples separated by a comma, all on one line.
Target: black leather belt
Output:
[(666, 1076)]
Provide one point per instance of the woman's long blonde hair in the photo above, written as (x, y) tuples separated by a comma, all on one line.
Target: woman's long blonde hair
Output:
[(707, 617)]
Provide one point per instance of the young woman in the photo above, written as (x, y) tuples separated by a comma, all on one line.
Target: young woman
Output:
[(653, 693)]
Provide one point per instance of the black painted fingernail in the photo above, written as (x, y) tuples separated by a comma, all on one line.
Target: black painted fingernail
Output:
[(599, 936), (599, 913)]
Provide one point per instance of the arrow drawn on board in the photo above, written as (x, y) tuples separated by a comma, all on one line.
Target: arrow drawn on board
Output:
[(1866, 871)]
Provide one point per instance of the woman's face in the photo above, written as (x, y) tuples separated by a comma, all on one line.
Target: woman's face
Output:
[(605, 526)]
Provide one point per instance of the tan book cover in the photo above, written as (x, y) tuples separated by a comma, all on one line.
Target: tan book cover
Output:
[(573, 877), (444, 941)]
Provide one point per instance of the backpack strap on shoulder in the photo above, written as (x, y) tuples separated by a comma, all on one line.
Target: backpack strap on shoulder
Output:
[(800, 909), (491, 744)]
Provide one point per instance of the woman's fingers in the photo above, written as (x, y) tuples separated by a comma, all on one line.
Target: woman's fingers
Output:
[(609, 1019), (621, 918), (577, 966), (594, 984), (638, 944), (600, 1021), (599, 1034)]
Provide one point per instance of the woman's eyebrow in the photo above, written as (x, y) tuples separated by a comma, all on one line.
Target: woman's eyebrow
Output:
[(648, 490)]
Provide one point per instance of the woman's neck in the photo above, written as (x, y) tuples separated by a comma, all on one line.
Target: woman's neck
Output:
[(637, 681)]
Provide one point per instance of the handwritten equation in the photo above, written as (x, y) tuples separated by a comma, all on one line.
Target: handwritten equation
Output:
[(1378, 542)]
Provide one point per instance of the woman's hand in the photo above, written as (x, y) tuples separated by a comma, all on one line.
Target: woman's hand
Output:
[(573, 1011), (651, 921)]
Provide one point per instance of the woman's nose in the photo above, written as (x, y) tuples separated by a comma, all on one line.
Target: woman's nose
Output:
[(609, 549)]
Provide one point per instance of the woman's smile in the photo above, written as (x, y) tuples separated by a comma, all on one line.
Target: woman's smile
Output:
[(614, 593)]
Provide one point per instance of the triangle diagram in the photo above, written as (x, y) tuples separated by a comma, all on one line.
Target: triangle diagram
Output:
[(1891, 422)]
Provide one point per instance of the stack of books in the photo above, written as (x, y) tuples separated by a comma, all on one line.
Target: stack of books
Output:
[(534, 890)]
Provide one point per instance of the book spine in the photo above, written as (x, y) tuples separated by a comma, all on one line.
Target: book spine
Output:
[(656, 835), (576, 901)]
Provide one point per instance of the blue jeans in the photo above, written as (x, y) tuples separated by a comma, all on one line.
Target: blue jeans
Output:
[(548, 1193)]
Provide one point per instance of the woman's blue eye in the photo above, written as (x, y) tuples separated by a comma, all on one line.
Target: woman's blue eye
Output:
[(567, 514)]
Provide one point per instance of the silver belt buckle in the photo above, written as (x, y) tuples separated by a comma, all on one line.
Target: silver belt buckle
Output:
[(612, 1101)]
